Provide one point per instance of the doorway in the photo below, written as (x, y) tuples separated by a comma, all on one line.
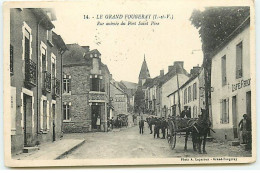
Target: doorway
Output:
[(53, 122), (95, 113), (248, 104), (234, 116), (27, 110)]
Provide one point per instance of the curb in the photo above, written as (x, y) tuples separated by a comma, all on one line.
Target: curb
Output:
[(70, 150)]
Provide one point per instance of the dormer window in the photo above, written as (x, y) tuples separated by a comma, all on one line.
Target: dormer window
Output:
[(95, 55), (91, 55)]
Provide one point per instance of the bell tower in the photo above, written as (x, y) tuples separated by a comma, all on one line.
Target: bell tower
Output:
[(144, 73)]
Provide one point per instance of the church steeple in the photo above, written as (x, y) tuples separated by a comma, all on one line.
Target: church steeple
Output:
[(144, 72)]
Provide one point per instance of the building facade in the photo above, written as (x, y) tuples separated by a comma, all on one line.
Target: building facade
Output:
[(118, 99), (231, 78), (35, 67), (176, 75), (86, 85), (189, 95)]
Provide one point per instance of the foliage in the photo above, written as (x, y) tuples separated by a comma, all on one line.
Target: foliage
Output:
[(215, 24), (139, 100)]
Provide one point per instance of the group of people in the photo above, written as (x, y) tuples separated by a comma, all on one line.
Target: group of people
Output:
[(118, 122), (156, 123)]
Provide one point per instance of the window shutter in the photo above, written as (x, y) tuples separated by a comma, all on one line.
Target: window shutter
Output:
[(68, 112), (90, 83), (69, 85), (221, 111), (227, 110)]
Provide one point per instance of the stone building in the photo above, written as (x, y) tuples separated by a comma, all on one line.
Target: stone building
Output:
[(86, 85), (231, 82), (35, 73)]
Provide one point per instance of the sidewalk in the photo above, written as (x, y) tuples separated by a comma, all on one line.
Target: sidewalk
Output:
[(51, 150)]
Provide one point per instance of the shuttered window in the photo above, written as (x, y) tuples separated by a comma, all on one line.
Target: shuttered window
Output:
[(239, 60), (224, 111), (224, 70)]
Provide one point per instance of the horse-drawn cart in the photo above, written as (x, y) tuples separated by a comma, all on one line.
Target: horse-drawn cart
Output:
[(178, 126)]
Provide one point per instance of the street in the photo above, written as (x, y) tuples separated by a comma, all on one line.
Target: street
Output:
[(128, 143)]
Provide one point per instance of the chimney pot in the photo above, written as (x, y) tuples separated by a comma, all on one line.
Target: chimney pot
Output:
[(161, 73)]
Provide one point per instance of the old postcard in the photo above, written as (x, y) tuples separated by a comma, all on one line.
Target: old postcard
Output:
[(129, 82)]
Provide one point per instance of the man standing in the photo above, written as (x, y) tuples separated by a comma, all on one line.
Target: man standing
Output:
[(163, 126), (141, 126), (245, 127), (156, 128)]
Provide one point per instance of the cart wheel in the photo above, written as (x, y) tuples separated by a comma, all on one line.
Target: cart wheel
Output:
[(173, 136)]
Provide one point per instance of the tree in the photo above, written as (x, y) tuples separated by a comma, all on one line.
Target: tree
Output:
[(139, 100), (215, 24)]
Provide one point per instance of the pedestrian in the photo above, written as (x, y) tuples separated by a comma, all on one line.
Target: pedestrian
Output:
[(156, 128), (112, 123), (163, 127), (98, 123), (245, 128), (141, 126)]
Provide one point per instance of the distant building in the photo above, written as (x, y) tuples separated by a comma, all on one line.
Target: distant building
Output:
[(36, 75), (190, 95), (231, 82), (130, 88), (86, 85), (157, 89), (169, 84), (118, 99)]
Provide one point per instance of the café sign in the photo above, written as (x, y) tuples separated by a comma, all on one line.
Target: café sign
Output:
[(241, 84)]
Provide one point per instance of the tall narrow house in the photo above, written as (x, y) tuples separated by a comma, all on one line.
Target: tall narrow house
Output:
[(35, 72)]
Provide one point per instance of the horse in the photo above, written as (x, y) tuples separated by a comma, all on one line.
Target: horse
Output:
[(199, 131)]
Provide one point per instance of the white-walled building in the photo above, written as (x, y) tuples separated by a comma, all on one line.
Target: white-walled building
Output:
[(169, 85), (230, 80), (189, 96)]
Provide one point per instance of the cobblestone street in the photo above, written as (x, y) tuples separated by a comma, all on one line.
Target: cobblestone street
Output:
[(128, 143)]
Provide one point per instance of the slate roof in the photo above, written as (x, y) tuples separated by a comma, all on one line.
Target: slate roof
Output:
[(176, 69), (75, 55), (129, 85)]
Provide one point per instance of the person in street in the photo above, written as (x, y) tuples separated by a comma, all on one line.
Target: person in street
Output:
[(156, 128), (163, 126), (141, 126), (245, 127), (112, 123), (185, 113), (98, 123)]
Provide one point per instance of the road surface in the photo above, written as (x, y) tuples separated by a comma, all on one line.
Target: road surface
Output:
[(128, 143)]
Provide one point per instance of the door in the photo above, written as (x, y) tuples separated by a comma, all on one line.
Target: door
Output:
[(248, 104), (53, 122), (234, 116), (27, 109), (95, 112)]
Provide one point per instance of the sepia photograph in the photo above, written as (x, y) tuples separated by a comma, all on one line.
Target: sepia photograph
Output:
[(129, 83)]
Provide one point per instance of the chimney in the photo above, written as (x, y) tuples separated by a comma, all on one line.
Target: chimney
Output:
[(180, 63), (170, 68), (86, 48), (195, 70), (161, 73)]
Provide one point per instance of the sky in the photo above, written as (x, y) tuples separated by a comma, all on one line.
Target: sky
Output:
[(123, 47)]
